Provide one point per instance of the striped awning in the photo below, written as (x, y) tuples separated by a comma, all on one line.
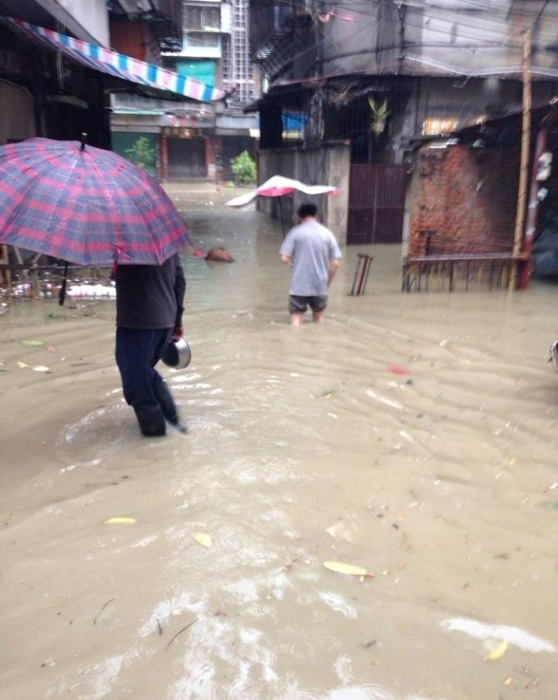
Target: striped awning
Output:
[(116, 64)]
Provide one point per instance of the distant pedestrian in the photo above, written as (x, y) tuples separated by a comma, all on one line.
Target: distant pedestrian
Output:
[(314, 254), (149, 306)]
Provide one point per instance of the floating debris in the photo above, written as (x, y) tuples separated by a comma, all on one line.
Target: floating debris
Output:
[(203, 539), (120, 520), (497, 652), (350, 569)]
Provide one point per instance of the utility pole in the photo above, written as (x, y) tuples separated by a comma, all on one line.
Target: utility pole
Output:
[(525, 153)]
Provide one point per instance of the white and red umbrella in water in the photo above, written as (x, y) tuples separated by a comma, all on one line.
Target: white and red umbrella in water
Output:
[(277, 186)]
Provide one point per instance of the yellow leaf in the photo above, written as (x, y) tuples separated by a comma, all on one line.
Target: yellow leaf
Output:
[(21, 364), (122, 520), (497, 652), (203, 539), (342, 568)]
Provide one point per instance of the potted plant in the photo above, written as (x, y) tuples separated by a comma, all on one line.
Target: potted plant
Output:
[(379, 114)]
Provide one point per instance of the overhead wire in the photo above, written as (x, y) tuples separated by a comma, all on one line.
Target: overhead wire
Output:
[(487, 44), (490, 25)]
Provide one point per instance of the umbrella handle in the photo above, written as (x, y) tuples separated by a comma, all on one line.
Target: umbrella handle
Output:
[(62, 293)]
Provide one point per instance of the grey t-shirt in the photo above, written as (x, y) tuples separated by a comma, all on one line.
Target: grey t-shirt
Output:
[(311, 247)]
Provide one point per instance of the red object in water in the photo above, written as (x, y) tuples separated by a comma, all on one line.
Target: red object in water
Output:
[(196, 253), (394, 369)]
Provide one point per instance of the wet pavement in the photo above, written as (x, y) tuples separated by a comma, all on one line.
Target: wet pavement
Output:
[(414, 436)]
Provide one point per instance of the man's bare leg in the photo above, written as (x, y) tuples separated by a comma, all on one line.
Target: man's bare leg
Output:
[(297, 320), (317, 316)]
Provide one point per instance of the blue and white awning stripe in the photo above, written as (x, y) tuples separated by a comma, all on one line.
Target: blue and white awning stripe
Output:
[(116, 64)]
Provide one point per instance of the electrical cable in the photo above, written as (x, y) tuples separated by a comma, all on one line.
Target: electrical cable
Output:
[(425, 60), (371, 12)]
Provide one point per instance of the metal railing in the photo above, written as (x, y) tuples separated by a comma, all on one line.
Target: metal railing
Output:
[(460, 272)]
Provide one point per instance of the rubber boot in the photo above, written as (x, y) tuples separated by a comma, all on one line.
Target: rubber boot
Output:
[(164, 397), (152, 422)]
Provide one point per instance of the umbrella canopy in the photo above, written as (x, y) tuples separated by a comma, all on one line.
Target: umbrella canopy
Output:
[(277, 186), (84, 205)]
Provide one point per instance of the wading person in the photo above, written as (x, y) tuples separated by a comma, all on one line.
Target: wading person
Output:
[(149, 306), (313, 253)]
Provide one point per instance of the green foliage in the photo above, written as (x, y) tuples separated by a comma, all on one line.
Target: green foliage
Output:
[(244, 169), (141, 153)]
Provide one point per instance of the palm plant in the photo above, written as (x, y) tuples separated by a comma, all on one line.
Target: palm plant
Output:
[(379, 114)]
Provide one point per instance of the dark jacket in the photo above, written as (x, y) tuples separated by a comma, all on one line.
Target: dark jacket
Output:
[(150, 296)]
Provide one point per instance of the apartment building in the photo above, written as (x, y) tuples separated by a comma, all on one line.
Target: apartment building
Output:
[(215, 51), (198, 141)]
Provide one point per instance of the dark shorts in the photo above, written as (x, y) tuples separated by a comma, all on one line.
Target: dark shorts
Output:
[(297, 305)]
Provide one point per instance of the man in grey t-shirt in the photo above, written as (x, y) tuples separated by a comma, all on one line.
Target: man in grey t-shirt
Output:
[(314, 254)]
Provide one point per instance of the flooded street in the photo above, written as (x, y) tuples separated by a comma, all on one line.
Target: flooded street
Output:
[(412, 435)]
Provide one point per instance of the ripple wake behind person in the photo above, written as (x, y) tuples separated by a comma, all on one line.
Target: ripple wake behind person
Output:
[(149, 307)]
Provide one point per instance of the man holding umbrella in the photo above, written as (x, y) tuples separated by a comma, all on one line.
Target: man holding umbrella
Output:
[(90, 207), (149, 306)]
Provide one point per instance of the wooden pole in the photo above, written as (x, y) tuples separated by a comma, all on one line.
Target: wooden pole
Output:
[(524, 163)]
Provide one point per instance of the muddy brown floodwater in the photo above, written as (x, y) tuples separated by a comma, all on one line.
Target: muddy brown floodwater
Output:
[(305, 446)]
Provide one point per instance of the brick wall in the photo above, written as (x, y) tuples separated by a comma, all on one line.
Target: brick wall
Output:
[(463, 200)]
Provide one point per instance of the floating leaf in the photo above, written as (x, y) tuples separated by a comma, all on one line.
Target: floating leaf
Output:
[(33, 343), (497, 652), (203, 539), (121, 520), (21, 364), (52, 348), (342, 568), (41, 368)]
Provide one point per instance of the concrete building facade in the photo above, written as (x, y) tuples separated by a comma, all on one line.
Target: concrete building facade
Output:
[(379, 75)]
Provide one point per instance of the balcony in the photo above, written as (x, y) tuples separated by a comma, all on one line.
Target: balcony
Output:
[(278, 31), (166, 23), (163, 16)]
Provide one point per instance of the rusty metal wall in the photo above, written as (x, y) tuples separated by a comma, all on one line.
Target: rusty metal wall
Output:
[(376, 204)]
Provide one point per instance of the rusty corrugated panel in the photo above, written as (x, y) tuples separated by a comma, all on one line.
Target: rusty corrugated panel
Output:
[(376, 204)]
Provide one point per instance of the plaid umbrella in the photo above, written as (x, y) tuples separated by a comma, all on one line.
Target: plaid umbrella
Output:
[(84, 205)]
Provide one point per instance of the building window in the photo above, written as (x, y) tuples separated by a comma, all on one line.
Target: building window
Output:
[(202, 19)]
